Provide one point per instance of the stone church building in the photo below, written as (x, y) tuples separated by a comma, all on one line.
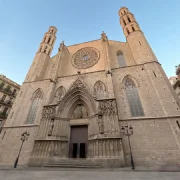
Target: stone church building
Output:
[(74, 105)]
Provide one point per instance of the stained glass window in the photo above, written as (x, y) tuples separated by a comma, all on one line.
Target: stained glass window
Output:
[(37, 97), (133, 98), (121, 59)]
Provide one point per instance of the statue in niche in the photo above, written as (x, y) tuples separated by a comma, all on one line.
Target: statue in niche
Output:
[(80, 112)]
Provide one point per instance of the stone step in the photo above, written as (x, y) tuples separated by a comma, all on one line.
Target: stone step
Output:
[(70, 166), (71, 163)]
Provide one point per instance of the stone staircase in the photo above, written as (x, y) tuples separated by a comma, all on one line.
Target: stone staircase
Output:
[(73, 163)]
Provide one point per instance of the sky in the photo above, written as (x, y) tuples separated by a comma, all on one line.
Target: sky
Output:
[(24, 22)]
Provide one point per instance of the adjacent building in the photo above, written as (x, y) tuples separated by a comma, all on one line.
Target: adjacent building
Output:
[(175, 81), (75, 103), (8, 92)]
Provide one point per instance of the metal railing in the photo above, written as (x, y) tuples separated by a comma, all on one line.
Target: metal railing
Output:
[(8, 91), (3, 115)]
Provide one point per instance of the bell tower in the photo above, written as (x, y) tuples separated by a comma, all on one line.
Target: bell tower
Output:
[(38, 67), (48, 41), (138, 44)]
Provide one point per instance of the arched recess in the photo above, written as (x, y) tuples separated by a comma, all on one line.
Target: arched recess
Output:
[(77, 95), (99, 90), (60, 92), (132, 94), (121, 59), (79, 110), (35, 103)]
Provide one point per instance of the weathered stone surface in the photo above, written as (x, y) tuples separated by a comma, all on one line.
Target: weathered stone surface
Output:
[(100, 91)]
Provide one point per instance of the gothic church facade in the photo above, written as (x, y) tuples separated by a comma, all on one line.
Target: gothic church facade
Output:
[(75, 103)]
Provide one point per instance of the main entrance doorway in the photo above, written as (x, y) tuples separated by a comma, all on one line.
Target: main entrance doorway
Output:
[(78, 142)]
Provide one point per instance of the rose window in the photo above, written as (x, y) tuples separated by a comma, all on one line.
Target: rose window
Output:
[(85, 58)]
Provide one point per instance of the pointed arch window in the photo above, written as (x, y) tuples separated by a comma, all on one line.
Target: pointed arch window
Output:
[(133, 28), (37, 97), (49, 40), (133, 98), (99, 90), (124, 22), (121, 59), (60, 92), (127, 30), (128, 19)]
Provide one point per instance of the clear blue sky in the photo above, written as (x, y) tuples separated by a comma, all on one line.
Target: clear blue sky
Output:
[(24, 22)]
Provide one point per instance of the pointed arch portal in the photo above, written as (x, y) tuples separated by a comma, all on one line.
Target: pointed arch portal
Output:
[(77, 106)]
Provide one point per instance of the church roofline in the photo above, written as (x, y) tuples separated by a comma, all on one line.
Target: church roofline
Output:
[(83, 42), (89, 42), (92, 41)]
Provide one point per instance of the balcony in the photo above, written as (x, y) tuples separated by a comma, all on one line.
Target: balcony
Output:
[(3, 115), (6, 102), (7, 91)]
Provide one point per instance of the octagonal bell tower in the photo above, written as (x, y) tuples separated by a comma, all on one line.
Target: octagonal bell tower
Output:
[(138, 44), (39, 65), (48, 41)]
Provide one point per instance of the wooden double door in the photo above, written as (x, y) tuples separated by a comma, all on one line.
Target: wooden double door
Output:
[(78, 142)]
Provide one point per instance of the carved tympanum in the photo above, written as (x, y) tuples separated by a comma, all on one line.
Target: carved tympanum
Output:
[(80, 112)]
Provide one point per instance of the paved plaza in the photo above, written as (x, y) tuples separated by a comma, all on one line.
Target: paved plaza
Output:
[(82, 174)]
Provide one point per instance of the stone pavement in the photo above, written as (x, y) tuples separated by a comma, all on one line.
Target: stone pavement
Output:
[(84, 174)]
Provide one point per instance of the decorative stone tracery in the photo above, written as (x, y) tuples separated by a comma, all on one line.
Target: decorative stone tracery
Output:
[(53, 137), (60, 92), (107, 107), (85, 58), (104, 148), (99, 90)]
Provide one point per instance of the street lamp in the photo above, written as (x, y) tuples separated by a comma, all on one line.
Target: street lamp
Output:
[(24, 137), (127, 130)]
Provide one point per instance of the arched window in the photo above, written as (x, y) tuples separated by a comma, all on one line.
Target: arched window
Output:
[(124, 22), (133, 28), (36, 98), (49, 40), (128, 19), (99, 90), (60, 92), (121, 59), (133, 97), (127, 30)]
